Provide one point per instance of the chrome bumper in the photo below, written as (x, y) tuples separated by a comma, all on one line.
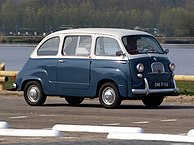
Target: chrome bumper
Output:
[(148, 91), (14, 85)]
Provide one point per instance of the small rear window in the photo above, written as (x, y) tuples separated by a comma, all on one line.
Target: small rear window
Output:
[(49, 47)]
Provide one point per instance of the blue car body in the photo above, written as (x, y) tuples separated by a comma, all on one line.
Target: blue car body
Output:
[(63, 72)]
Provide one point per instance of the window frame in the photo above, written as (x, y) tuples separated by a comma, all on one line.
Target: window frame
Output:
[(153, 41), (77, 46), (49, 53), (105, 55)]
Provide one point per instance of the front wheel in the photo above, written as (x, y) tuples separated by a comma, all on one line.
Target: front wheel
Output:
[(109, 95), (33, 94), (153, 101)]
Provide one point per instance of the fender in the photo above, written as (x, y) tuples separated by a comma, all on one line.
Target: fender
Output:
[(39, 74), (113, 74)]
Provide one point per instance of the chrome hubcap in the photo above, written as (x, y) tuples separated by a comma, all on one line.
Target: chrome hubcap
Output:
[(33, 93), (108, 96)]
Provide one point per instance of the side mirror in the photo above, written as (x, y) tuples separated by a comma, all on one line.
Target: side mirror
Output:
[(120, 53), (166, 51)]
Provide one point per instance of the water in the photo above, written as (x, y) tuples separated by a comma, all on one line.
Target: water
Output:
[(15, 56), (183, 56)]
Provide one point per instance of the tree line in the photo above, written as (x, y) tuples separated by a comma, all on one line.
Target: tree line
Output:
[(172, 18)]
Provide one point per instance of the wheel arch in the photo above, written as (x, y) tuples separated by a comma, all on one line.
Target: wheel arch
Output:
[(29, 80), (103, 81), (122, 88)]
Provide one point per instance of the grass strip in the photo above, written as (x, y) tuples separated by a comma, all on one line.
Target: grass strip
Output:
[(186, 88)]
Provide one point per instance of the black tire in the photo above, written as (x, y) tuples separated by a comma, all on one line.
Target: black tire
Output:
[(33, 94), (153, 101), (74, 100), (109, 96)]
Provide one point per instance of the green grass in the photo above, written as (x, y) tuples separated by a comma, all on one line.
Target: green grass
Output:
[(185, 88), (9, 83)]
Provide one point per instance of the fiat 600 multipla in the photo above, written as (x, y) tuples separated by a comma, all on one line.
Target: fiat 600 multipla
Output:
[(109, 64)]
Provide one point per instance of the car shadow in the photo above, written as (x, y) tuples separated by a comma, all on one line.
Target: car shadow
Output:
[(122, 106), (80, 105), (162, 107)]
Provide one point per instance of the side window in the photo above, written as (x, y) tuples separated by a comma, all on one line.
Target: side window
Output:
[(50, 47), (106, 46), (70, 45), (77, 45)]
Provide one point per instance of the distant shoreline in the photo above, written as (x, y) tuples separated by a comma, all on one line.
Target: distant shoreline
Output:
[(176, 40), (20, 39), (37, 39)]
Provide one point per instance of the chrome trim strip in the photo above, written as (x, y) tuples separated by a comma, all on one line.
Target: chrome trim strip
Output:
[(153, 91), (146, 86)]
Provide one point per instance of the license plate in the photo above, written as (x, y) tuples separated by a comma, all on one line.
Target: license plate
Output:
[(161, 84)]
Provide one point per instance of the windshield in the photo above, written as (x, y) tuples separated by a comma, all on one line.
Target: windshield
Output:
[(141, 44)]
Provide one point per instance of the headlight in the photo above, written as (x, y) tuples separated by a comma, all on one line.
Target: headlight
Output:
[(140, 67), (172, 66)]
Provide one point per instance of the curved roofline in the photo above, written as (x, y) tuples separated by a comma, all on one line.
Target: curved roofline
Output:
[(105, 31)]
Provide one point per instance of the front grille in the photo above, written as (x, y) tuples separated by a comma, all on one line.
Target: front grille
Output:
[(157, 67)]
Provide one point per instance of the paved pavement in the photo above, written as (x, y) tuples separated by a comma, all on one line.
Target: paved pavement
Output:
[(102, 142), (170, 118)]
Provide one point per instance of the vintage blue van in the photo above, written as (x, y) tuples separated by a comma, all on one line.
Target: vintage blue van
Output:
[(109, 64)]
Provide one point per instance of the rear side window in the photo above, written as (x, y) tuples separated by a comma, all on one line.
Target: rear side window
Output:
[(77, 45), (49, 47), (106, 46)]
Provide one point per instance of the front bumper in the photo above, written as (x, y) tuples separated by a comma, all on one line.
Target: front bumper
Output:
[(148, 91)]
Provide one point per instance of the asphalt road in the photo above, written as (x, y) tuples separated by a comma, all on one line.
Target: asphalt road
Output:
[(169, 118)]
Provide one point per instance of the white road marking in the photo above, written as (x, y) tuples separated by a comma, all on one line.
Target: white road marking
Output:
[(18, 117), (168, 120), (47, 128), (141, 122), (30, 132), (96, 129), (150, 136), (30, 138), (47, 115), (182, 134), (112, 124)]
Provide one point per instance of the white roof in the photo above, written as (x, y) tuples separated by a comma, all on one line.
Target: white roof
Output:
[(106, 31)]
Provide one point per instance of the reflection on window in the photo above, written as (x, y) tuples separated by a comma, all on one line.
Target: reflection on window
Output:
[(77, 45), (50, 47), (106, 46)]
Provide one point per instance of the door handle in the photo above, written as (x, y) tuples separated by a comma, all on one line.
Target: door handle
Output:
[(123, 62), (61, 61)]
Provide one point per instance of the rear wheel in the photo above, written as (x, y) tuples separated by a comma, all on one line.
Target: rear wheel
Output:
[(74, 100), (109, 95), (153, 101), (33, 94)]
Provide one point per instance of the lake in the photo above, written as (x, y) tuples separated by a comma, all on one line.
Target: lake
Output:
[(15, 56)]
